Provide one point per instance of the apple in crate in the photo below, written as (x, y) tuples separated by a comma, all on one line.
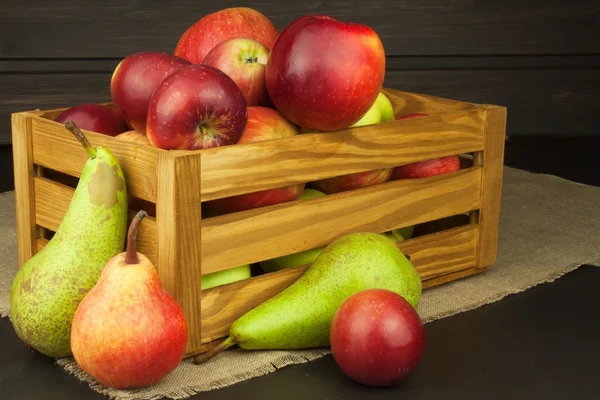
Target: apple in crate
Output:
[(134, 80), (325, 74), (244, 61), (422, 169), (210, 30), (94, 117), (196, 107), (357, 180), (263, 124), (377, 337), (133, 137)]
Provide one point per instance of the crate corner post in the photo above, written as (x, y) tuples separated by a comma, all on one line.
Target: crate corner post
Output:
[(178, 235), (24, 186), (491, 160)]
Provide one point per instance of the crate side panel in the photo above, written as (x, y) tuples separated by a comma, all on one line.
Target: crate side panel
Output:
[(56, 148), (52, 201), (255, 235), (251, 167), (408, 103), (223, 305)]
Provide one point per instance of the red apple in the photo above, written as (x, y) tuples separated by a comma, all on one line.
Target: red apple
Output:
[(352, 181), (377, 338), (196, 107), (263, 124), (134, 80), (229, 23), (94, 117), (412, 115), (243, 60), (426, 168), (133, 137), (324, 74)]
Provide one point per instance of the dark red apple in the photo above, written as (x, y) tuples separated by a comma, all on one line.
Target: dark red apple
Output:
[(210, 30), (94, 117), (422, 169), (196, 107), (263, 124), (134, 80), (412, 115), (352, 181), (324, 74), (377, 338), (244, 61)]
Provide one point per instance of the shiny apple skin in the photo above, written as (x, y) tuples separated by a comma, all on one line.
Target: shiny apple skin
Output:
[(210, 30), (377, 338), (196, 107), (263, 124), (353, 181), (243, 60), (324, 74), (423, 169), (134, 80), (94, 117)]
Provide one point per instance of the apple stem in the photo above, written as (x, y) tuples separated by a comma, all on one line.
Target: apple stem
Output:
[(224, 345), (131, 255), (71, 126)]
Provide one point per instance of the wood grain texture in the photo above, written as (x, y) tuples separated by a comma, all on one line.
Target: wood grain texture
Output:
[(310, 157), (56, 148), (24, 188), (440, 280), (52, 200), (491, 185), (59, 28), (178, 216), (455, 248), (255, 235)]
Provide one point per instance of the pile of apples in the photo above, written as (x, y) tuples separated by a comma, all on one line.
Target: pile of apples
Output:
[(233, 78)]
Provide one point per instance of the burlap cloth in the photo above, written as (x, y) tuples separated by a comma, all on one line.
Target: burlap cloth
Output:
[(549, 226)]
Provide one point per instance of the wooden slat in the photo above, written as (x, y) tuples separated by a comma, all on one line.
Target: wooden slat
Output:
[(52, 200), (408, 103), (24, 188), (491, 185), (440, 280), (56, 148), (178, 216), (310, 157), (259, 234), (41, 243), (455, 249)]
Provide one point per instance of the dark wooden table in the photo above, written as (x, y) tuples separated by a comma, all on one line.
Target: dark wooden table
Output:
[(540, 344)]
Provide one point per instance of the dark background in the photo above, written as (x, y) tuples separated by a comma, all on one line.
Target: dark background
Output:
[(540, 58)]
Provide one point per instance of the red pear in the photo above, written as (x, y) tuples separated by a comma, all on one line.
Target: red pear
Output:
[(128, 331)]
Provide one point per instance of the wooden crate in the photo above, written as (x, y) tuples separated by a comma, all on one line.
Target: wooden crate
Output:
[(456, 214)]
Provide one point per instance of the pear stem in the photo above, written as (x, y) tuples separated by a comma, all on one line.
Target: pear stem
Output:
[(131, 255), (224, 345), (70, 125)]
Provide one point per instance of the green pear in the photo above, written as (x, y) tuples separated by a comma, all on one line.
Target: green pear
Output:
[(300, 316), (385, 107), (371, 117), (403, 233), (48, 288)]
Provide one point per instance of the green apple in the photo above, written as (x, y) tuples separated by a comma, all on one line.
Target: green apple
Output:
[(404, 233), (224, 277), (371, 117), (300, 258), (310, 193), (385, 107)]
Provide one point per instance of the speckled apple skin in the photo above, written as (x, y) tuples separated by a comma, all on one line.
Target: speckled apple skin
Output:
[(325, 74)]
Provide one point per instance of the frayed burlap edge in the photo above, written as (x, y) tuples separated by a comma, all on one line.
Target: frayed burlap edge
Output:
[(73, 368)]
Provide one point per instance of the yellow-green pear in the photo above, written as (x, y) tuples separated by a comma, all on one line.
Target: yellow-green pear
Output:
[(48, 288), (300, 316)]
